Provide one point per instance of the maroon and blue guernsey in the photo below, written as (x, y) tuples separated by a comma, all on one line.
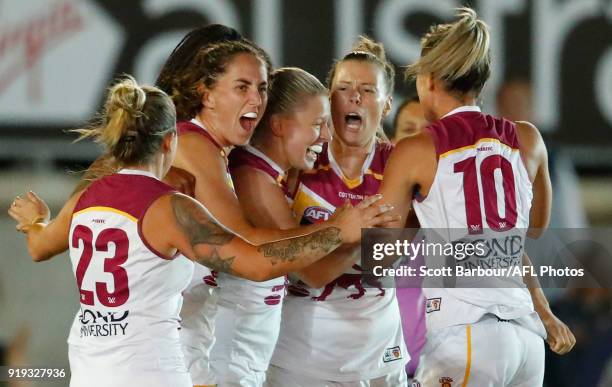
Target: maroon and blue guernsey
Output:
[(254, 158), (344, 331)]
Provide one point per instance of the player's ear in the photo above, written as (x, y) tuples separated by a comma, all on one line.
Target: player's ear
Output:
[(432, 83), (206, 96), (168, 142)]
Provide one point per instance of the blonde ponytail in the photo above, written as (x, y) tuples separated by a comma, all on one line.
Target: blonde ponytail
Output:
[(133, 123), (124, 106), (457, 53)]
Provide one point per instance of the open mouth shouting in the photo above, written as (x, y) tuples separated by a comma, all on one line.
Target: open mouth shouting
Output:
[(353, 121), (248, 121)]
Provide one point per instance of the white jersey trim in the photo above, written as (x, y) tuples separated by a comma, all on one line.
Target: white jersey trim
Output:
[(198, 123), (127, 171), (462, 109)]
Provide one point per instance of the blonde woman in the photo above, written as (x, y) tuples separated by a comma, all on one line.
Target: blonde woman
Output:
[(124, 232), (334, 329), (290, 135), (220, 97), (474, 172)]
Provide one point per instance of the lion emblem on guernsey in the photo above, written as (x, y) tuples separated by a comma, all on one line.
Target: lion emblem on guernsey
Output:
[(346, 281)]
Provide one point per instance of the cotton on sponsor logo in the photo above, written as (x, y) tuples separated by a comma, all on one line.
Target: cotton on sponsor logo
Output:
[(317, 214), (23, 45), (350, 195)]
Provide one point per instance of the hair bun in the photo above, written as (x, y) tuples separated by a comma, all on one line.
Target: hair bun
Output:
[(366, 44), (127, 95), (457, 53)]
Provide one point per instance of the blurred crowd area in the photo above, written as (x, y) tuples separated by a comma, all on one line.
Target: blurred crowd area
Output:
[(37, 302)]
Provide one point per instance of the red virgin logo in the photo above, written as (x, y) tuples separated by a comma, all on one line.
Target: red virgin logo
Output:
[(24, 44)]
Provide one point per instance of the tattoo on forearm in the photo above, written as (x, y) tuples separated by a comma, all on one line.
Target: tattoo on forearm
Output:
[(197, 224), (217, 263), (200, 229), (322, 241)]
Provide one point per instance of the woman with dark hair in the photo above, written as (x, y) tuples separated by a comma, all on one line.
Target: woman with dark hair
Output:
[(224, 91), (290, 135), (188, 47), (124, 233), (220, 95)]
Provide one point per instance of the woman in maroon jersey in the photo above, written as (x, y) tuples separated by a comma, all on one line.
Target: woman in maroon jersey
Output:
[(220, 98), (334, 328), (291, 135), (441, 188), (218, 82), (131, 226)]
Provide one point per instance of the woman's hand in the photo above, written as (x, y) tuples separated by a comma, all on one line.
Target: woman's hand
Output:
[(28, 211), (350, 220)]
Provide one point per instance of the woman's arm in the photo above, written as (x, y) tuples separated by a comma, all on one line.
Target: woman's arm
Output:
[(190, 228), (203, 160), (265, 205), (262, 200), (331, 267), (558, 335), (412, 164), (45, 239), (535, 157)]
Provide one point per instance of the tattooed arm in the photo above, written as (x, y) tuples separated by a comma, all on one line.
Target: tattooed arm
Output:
[(180, 222)]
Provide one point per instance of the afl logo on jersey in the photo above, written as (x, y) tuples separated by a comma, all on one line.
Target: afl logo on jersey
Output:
[(433, 305), (392, 354), (316, 214)]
